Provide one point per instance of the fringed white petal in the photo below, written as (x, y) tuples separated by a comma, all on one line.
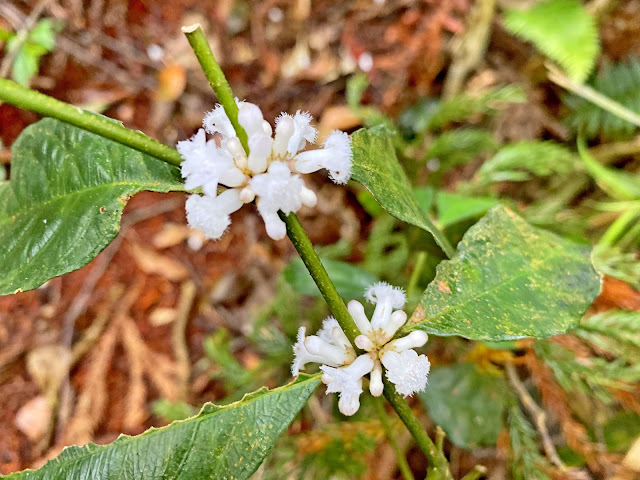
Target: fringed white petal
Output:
[(415, 339), (347, 382), (210, 214), (335, 156), (408, 371), (301, 355), (216, 121)]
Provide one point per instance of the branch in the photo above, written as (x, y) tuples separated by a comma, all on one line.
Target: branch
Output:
[(588, 93), (28, 99), (539, 417)]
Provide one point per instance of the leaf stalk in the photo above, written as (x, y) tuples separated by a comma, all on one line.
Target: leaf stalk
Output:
[(15, 94)]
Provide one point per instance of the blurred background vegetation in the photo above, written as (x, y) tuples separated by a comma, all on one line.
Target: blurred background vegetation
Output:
[(533, 104)]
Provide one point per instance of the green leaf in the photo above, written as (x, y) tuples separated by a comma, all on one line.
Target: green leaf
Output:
[(453, 208), (25, 65), (621, 83), (618, 184), (468, 404), (376, 166), (508, 280), (220, 442), (621, 431), (43, 34), (63, 205), (520, 161), (561, 29), (351, 281), (424, 196)]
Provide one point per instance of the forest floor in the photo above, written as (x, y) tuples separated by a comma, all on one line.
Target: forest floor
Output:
[(130, 326)]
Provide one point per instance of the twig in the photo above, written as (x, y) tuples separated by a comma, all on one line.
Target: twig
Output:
[(588, 93), (538, 414), (181, 352), (608, 152), (476, 473), (469, 50), (80, 302), (92, 334), (21, 36)]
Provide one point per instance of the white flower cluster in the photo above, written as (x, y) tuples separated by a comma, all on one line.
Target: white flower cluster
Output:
[(268, 174), (343, 370)]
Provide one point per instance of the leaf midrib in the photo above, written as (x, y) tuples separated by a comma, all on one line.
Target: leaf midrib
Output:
[(54, 199), (126, 439)]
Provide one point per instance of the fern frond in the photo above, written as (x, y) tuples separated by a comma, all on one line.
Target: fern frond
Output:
[(619, 324), (520, 161), (431, 114), (459, 146), (615, 263), (527, 462), (620, 82), (561, 29), (593, 376)]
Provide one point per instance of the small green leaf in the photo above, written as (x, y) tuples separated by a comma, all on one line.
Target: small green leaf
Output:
[(561, 29), (424, 196), (351, 281), (621, 431), (618, 184), (43, 34), (453, 208), (65, 198), (25, 65), (469, 405), (376, 166), (508, 280), (226, 442), (520, 161)]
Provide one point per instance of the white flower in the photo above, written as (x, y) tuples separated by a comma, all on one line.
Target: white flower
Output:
[(267, 173), (408, 371), (206, 165), (211, 214), (347, 382), (277, 190), (302, 131), (387, 298), (343, 371), (216, 121), (330, 346), (335, 157), (302, 355)]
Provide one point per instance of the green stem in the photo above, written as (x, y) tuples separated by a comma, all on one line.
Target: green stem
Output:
[(415, 275), (438, 464), (28, 99), (303, 245), (617, 228), (216, 78), (591, 95), (403, 465)]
